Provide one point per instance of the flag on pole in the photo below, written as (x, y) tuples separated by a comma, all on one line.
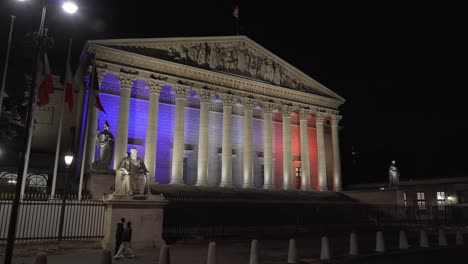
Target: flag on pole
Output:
[(95, 86), (69, 87), (46, 84)]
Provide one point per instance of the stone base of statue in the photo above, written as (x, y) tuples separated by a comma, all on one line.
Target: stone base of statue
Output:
[(100, 182), (144, 211)]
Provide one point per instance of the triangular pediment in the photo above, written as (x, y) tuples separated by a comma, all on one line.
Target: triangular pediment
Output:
[(233, 55)]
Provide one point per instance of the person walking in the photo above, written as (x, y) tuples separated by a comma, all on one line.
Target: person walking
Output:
[(126, 239), (118, 234)]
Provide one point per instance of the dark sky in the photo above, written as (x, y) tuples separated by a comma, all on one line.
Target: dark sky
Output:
[(402, 66)]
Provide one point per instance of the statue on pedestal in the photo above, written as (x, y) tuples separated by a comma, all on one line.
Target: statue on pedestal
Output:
[(105, 143), (131, 175), (393, 175)]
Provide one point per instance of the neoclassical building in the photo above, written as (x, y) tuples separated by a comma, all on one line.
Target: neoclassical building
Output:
[(215, 111)]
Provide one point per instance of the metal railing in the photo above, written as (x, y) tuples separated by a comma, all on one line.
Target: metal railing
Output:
[(56, 219)]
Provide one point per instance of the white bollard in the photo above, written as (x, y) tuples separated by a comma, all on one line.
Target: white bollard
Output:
[(164, 255), (212, 257), (442, 238), (423, 240), (325, 251), (292, 254), (353, 245), (254, 253), (459, 241), (403, 240), (380, 243)]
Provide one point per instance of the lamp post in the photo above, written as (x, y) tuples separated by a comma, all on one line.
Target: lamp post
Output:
[(41, 40), (68, 161)]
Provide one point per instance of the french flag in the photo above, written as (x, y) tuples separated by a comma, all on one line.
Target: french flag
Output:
[(46, 84)]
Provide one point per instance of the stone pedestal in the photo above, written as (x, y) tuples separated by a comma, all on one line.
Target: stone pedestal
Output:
[(145, 213), (100, 183)]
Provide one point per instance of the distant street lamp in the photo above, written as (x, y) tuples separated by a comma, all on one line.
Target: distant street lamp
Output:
[(68, 161), (40, 42), (70, 7)]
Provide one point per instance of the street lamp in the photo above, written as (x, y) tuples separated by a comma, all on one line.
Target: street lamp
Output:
[(40, 43), (70, 7), (68, 159)]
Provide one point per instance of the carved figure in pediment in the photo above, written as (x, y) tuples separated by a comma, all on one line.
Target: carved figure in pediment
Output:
[(202, 54), (242, 58), (182, 53), (228, 60), (253, 66), (277, 74), (193, 54), (215, 57), (269, 70)]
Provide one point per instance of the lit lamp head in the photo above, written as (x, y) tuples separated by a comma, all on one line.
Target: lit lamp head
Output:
[(68, 159), (70, 7)]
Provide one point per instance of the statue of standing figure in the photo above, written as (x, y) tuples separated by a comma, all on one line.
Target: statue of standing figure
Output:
[(393, 175), (105, 143), (131, 175)]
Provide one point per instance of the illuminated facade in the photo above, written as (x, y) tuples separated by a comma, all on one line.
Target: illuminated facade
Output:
[(216, 111)]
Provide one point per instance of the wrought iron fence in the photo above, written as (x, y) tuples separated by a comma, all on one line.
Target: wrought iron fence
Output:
[(200, 217), (56, 219)]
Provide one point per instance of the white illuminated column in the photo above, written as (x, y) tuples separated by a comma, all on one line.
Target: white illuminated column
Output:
[(226, 156), (335, 120), (268, 146), (179, 144), (248, 149), (287, 161), (305, 171), (322, 170), (126, 83), (202, 173), (154, 87)]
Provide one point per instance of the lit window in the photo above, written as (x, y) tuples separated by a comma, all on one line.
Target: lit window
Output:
[(421, 201), (404, 200), (440, 200)]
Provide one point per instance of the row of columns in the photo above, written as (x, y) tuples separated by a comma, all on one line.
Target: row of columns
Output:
[(181, 91)]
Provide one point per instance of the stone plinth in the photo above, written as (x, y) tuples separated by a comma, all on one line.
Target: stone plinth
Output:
[(100, 182), (145, 213)]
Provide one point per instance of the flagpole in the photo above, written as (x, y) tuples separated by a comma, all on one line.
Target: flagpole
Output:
[(5, 69), (90, 105), (59, 136)]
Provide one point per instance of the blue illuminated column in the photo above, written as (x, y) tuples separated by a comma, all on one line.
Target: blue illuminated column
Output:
[(268, 146), (305, 167), (226, 155), (322, 170), (154, 87), (287, 160), (335, 119), (178, 146), (121, 141), (93, 122), (248, 153), (202, 173)]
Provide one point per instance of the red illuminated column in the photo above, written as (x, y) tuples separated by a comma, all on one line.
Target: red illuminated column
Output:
[(154, 87), (268, 146), (305, 177), (287, 161), (321, 164), (248, 153), (178, 146), (202, 175), (121, 141), (226, 155), (335, 119)]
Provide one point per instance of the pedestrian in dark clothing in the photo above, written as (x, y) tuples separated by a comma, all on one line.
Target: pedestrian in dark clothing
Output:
[(126, 240), (118, 234)]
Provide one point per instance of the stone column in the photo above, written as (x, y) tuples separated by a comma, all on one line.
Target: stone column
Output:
[(202, 175), (322, 170), (268, 182), (226, 162), (335, 119), (93, 122), (305, 177), (126, 83), (287, 160), (248, 147), (179, 144), (151, 141)]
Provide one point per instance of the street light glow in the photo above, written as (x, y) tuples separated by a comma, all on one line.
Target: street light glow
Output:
[(68, 159), (69, 7)]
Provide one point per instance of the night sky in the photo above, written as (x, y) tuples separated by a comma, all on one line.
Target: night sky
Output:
[(402, 66)]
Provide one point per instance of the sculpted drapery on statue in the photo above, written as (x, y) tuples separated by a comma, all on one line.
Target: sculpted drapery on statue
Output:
[(131, 175), (393, 175), (105, 143)]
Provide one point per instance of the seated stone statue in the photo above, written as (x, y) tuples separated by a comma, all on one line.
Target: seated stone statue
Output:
[(131, 175)]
